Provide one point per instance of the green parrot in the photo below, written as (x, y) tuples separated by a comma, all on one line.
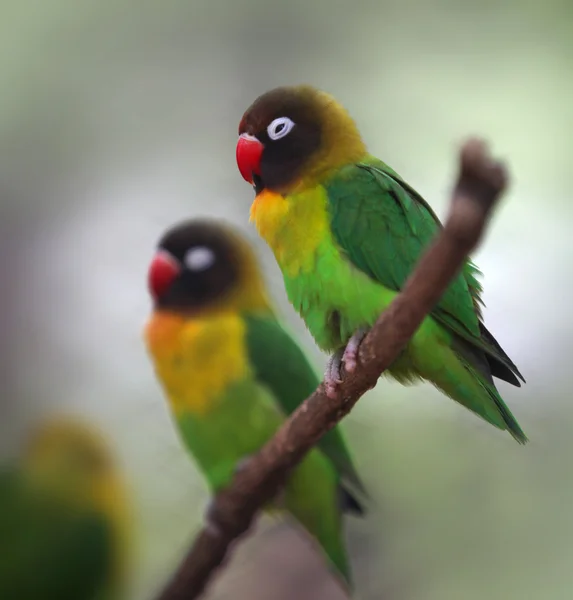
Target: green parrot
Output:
[(346, 231), (64, 521), (231, 374)]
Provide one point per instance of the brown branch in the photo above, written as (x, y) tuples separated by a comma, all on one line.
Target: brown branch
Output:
[(480, 183)]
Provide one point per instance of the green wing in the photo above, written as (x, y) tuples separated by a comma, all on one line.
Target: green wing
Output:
[(282, 366), (47, 551), (383, 226)]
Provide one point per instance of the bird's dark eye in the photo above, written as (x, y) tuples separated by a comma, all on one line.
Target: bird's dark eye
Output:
[(279, 128), (199, 259)]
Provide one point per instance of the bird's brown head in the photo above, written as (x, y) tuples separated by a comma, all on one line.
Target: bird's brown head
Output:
[(200, 264), (294, 133)]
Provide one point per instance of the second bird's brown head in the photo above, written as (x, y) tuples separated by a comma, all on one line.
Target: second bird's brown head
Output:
[(291, 132), (201, 265), (196, 264)]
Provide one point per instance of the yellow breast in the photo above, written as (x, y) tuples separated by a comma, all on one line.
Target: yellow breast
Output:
[(293, 226), (197, 359)]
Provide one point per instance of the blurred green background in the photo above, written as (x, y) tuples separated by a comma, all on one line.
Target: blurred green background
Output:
[(118, 119)]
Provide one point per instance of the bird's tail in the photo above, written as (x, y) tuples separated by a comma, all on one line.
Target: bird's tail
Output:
[(350, 502), (336, 552), (495, 400), (465, 383), (312, 497), (328, 536)]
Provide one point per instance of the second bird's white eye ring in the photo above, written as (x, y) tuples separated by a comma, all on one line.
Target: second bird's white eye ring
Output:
[(199, 258), (279, 128)]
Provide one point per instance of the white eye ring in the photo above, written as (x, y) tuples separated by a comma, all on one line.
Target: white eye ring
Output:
[(279, 128), (199, 258)]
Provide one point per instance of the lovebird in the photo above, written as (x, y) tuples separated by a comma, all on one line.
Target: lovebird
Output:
[(346, 231), (64, 520), (231, 374)]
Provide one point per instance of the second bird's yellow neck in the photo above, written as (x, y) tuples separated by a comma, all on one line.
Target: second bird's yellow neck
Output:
[(197, 360)]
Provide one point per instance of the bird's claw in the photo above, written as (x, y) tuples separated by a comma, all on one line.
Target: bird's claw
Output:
[(332, 374), (242, 463), (350, 357), (211, 519), (347, 356)]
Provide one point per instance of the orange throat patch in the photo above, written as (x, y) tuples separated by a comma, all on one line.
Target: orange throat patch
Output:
[(197, 359)]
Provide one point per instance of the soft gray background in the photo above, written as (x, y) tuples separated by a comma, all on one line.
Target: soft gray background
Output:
[(118, 118)]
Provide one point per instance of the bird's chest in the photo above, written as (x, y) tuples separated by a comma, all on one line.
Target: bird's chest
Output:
[(332, 296), (293, 226), (335, 298), (241, 422), (197, 361)]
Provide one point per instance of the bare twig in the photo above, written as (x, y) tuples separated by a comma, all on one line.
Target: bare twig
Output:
[(480, 183)]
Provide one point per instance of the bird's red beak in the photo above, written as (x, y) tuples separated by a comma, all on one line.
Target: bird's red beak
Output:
[(249, 151), (162, 271)]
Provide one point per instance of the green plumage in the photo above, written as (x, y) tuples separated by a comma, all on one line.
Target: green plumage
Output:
[(48, 550), (248, 414), (232, 375), (379, 227)]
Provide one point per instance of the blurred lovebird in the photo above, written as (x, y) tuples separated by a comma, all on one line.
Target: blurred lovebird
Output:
[(231, 374), (64, 527), (346, 231)]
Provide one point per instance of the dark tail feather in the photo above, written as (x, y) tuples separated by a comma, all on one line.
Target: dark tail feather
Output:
[(349, 503), (503, 369), (476, 362)]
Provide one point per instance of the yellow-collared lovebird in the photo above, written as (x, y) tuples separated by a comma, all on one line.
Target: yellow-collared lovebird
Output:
[(346, 231), (231, 373), (64, 521)]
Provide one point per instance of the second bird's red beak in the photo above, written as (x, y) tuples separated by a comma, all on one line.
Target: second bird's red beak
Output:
[(249, 151), (162, 271)]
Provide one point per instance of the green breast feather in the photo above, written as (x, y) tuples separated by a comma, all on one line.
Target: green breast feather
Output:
[(383, 226), (282, 366)]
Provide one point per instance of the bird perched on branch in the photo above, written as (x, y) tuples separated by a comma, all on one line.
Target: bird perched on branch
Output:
[(346, 231), (64, 521), (231, 374)]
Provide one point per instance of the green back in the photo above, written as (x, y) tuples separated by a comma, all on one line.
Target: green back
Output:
[(383, 226), (281, 365), (46, 550)]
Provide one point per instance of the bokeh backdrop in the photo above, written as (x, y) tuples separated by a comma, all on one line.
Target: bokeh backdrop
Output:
[(119, 118)]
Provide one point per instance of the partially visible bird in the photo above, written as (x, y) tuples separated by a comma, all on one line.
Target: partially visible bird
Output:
[(232, 374), (346, 231), (64, 518)]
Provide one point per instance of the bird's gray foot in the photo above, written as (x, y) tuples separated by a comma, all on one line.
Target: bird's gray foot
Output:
[(332, 374), (350, 356), (211, 519), (242, 463), (347, 356)]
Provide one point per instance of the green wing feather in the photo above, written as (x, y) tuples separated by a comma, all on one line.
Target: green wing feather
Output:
[(383, 226), (282, 366), (48, 551)]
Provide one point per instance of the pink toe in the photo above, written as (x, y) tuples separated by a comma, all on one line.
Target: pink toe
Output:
[(330, 391), (350, 365)]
